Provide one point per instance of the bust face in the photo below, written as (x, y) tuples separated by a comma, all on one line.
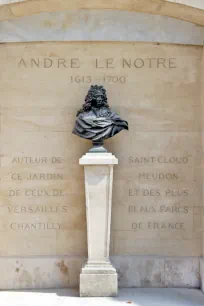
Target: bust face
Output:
[(99, 98)]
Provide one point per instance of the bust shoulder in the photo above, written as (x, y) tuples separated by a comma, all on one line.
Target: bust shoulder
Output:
[(88, 114)]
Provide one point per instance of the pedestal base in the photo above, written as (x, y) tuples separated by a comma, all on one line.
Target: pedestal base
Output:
[(98, 281), (102, 284), (98, 285)]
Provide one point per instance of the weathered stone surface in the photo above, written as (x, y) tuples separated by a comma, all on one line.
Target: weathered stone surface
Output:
[(155, 272), (101, 25), (140, 271), (202, 184), (181, 272), (193, 13), (194, 3), (40, 272), (156, 193), (133, 271)]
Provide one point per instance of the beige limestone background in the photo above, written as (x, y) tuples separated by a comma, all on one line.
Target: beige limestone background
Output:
[(194, 3), (157, 7), (202, 139), (38, 107), (101, 25)]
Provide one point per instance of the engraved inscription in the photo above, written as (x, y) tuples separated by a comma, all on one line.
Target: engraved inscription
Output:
[(105, 63), (156, 186), (37, 209), (34, 226), (38, 176), (37, 193), (158, 159)]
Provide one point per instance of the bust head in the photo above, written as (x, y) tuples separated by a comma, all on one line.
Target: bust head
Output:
[(96, 97), (96, 121)]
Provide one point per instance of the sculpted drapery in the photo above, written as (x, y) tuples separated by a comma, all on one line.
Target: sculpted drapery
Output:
[(96, 121)]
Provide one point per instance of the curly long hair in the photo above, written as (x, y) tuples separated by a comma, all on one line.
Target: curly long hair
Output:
[(91, 99)]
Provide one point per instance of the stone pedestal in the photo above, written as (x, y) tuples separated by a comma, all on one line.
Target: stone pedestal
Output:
[(98, 277)]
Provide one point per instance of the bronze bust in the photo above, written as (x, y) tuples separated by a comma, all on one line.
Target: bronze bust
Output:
[(96, 121)]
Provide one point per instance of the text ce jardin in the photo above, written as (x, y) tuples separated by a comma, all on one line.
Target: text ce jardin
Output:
[(107, 63)]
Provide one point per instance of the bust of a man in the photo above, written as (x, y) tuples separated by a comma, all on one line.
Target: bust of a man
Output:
[(96, 121)]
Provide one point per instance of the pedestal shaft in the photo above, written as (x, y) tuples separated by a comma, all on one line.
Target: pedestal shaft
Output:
[(98, 184), (98, 277)]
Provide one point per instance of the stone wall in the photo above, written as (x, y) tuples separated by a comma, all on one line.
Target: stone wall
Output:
[(202, 139), (153, 79), (158, 7)]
